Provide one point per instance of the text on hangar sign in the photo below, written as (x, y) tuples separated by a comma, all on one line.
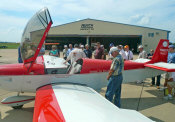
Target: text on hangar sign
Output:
[(87, 27)]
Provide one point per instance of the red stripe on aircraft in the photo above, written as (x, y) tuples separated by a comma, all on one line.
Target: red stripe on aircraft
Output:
[(96, 65), (47, 108), (17, 101), (160, 68)]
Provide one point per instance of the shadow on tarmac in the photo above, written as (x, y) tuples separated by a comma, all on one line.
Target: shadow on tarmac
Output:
[(16, 115), (155, 119), (145, 103)]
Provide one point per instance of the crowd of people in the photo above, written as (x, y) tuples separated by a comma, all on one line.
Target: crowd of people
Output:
[(118, 54), (99, 51)]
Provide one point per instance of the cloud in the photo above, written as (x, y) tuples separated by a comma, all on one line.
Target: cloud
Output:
[(152, 13), (140, 19), (11, 28)]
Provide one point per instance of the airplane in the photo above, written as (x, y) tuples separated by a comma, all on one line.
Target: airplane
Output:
[(68, 93)]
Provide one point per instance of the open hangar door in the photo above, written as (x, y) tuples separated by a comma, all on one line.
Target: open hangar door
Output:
[(132, 41)]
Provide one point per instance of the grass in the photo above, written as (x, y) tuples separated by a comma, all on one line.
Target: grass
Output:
[(10, 45)]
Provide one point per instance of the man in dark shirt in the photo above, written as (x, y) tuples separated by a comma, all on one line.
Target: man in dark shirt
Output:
[(87, 51), (19, 55), (99, 52)]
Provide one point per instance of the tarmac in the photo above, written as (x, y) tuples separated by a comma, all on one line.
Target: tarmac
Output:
[(151, 102)]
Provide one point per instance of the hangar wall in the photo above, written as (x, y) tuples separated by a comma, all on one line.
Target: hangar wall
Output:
[(90, 28)]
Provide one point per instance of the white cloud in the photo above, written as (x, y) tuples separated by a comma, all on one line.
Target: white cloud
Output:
[(140, 19), (152, 13)]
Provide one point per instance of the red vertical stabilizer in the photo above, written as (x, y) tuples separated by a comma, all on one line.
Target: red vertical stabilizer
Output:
[(161, 52)]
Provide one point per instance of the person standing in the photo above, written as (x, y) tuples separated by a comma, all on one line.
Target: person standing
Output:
[(19, 55), (109, 54), (129, 54), (42, 51), (115, 77), (87, 51), (142, 53), (170, 85), (105, 51), (171, 54), (82, 47), (122, 52), (70, 49), (171, 59), (65, 52), (75, 54), (99, 52), (54, 51), (149, 56)]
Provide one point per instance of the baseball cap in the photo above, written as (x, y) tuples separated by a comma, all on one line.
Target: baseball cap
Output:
[(114, 49), (75, 45), (82, 46), (65, 45), (171, 46), (140, 46), (111, 45), (126, 46), (121, 46)]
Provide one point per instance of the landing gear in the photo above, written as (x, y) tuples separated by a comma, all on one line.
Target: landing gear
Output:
[(17, 107), (17, 102)]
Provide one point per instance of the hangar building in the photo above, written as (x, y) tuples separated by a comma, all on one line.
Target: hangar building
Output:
[(91, 31)]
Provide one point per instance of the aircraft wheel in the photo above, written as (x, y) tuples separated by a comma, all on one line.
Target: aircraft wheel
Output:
[(17, 107)]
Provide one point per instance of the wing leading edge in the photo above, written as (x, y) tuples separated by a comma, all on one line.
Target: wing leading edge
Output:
[(75, 103), (167, 67)]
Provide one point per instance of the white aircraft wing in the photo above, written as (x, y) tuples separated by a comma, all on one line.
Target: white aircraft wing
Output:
[(76, 103), (141, 60), (168, 67)]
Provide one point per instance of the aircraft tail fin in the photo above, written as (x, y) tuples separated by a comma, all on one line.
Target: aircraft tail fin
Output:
[(161, 52)]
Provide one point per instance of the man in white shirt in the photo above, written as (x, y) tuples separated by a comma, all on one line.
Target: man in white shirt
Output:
[(142, 53), (170, 85), (129, 54), (122, 52), (75, 54)]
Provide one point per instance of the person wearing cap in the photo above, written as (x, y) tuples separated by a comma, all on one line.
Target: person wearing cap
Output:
[(99, 52), (82, 47), (75, 54), (171, 59), (54, 51), (122, 52), (65, 52), (115, 77), (171, 54), (110, 57), (87, 51), (111, 45), (142, 52), (129, 54)]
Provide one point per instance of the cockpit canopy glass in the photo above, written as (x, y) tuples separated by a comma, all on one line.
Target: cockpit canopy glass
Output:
[(33, 33)]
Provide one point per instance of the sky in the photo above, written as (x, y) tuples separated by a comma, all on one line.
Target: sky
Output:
[(14, 14)]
